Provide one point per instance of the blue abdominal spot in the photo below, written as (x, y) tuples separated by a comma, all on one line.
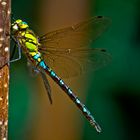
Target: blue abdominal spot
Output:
[(61, 82), (43, 65), (69, 91), (36, 56), (77, 101), (52, 73)]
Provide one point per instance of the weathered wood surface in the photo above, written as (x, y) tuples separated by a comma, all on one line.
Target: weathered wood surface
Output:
[(4, 66)]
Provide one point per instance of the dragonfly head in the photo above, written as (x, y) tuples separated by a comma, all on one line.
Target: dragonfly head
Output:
[(19, 25)]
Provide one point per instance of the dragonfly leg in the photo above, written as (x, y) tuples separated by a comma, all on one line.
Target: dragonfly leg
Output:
[(19, 54), (13, 52)]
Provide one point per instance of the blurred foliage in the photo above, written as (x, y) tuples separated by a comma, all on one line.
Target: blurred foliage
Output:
[(115, 93)]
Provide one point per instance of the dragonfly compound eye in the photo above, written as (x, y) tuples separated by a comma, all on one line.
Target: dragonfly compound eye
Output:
[(23, 25), (18, 21)]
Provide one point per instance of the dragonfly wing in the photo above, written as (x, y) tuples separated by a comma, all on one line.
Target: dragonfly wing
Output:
[(67, 52), (72, 62), (47, 85), (79, 35), (34, 72)]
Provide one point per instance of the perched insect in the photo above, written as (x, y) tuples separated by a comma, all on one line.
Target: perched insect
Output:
[(46, 52)]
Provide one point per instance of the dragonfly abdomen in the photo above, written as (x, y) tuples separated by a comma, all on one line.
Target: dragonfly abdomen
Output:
[(69, 92)]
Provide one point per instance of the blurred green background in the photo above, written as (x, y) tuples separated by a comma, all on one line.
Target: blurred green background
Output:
[(112, 93)]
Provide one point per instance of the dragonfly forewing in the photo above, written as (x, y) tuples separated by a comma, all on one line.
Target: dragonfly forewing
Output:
[(67, 50)]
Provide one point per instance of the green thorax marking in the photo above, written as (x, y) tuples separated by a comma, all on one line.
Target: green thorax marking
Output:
[(29, 39)]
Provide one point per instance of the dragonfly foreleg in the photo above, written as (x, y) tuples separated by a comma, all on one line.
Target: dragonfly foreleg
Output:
[(19, 54)]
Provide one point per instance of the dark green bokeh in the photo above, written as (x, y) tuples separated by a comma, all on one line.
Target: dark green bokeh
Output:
[(115, 95), (114, 91)]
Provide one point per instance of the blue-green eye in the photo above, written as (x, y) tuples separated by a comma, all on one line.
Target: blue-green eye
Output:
[(24, 23)]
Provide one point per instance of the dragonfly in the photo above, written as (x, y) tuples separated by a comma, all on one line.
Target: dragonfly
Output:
[(47, 56)]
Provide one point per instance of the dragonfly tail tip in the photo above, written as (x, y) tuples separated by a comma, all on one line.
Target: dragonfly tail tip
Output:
[(96, 126)]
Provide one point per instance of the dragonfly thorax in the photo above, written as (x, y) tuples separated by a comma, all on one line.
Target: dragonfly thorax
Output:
[(24, 36)]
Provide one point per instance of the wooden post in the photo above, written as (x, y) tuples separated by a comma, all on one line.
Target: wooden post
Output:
[(5, 8)]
